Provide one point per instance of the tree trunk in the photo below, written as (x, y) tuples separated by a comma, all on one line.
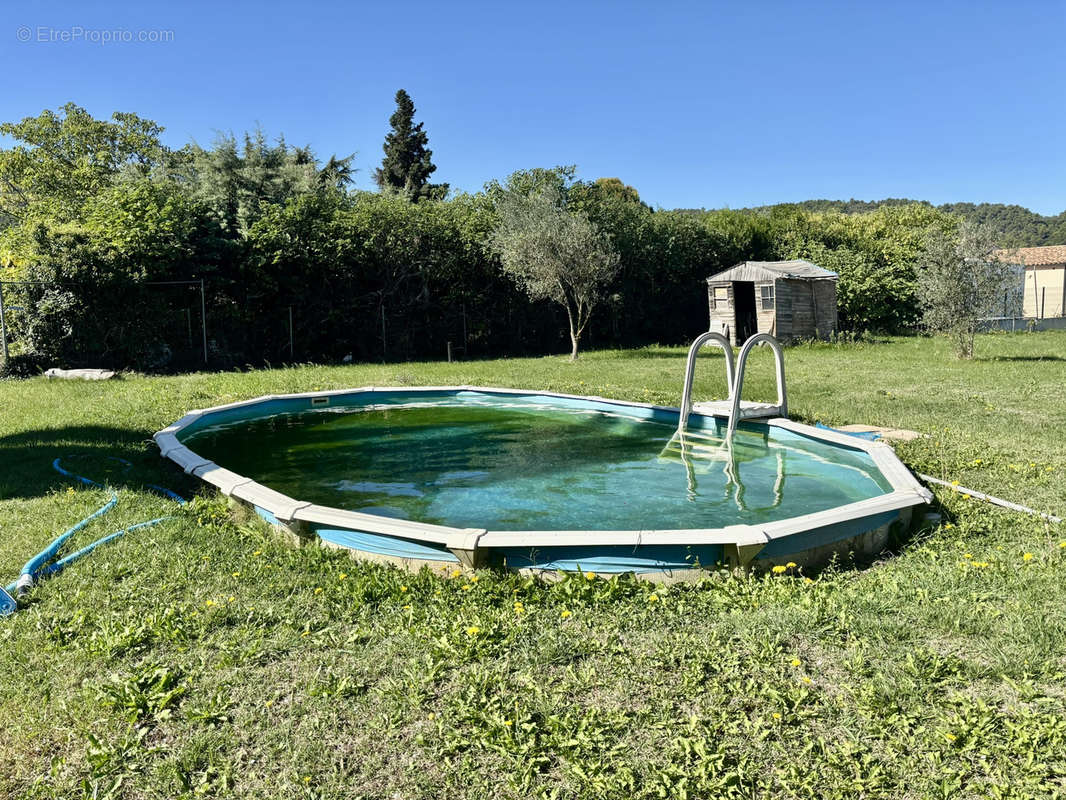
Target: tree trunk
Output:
[(574, 340)]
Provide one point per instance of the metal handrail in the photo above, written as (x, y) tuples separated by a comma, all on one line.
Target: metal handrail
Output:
[(690, 371), (738, 384)]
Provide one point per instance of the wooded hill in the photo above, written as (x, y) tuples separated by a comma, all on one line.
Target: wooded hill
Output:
[(1017, 225)]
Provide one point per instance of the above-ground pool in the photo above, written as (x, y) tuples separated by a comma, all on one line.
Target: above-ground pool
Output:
[(541, 481)]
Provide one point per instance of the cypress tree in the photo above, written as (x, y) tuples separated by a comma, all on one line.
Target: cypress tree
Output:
[(407, 166)]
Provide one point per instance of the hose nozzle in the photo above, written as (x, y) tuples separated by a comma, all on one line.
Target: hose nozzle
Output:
[(25, 583)]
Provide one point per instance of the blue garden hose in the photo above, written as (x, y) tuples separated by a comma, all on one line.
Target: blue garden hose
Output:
[(39, 567)]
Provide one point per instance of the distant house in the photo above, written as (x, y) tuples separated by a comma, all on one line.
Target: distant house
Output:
[(1044, 284), (788, 299)]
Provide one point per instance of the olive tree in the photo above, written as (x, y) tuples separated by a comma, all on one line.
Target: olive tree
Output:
[(552, 253), (960, 278)]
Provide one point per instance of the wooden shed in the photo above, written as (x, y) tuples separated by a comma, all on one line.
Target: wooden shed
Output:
[(788, 299)]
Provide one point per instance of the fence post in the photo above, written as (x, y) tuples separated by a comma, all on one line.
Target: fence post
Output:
[(449, 352), (384, 343), (3, 323), (203, 316)]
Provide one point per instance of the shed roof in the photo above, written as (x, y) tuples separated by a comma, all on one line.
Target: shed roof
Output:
[(772, 270), (1034, 256)]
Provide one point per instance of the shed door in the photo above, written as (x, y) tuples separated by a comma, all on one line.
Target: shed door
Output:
[(744, 303)]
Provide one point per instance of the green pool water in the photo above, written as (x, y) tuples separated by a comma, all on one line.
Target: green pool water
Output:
[(524, 464)]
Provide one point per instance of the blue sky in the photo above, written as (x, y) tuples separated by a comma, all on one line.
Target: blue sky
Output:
[(706, 104)]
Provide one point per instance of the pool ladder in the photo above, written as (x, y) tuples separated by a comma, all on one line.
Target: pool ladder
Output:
[(733, 406)]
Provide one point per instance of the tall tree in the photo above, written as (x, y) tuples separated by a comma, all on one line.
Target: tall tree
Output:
[(407, 164)]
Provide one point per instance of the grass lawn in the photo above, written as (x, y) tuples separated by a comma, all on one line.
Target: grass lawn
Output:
[(205, 657)]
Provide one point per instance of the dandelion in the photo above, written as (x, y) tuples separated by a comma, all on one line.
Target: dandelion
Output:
[(1062, 545), (236, 574), (950, 737), (257, 553), (473, 631), (209, 603), (776, 715), (467, 587), (808, 580), (519, 608), (473, 578), (796, 662), (1027, 557), (307, 778), (456, 572), (653, 598), (967, 555), (590, 575), (778, 569), (318, 590), (566, 613), (232, 598), (806, 680), (791, 565), (948, 526), (407, 607), (268, 703), (342, 576), (432, 716), (508, 723), (305, 633), (403, 588)]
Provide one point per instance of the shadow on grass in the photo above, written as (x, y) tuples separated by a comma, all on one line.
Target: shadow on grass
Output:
[(26, 461), (1021, 358)]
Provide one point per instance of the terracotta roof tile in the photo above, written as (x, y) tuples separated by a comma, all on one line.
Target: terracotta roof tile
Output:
[(1034, 256)]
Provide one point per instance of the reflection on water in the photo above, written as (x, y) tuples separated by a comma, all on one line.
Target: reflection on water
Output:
[(520, 465)]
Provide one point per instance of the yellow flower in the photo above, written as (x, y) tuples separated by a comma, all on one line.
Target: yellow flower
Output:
[(209, 603), (805, 679), (473, 578), (948, 526), (473, 630), (232, 598), (403, 588), (590, 575), (432, 716), (257, 553), (967, 555), (236, 574), (467, 587), (407, 607), (791, 565), (268, 703), (796, 662), (1027, 557), (776, 715), (950, 737), (318, 590), (565, 613), (306, 633), (456, 572), (778, 569), (1062, 544), (342, 576), (307, 778), (653, 598)]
